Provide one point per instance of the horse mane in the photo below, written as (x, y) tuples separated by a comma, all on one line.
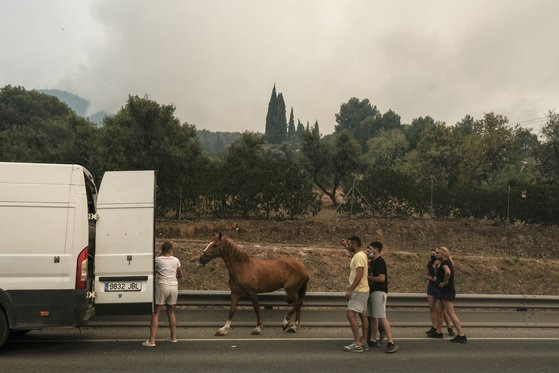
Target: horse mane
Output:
[(233, 251)]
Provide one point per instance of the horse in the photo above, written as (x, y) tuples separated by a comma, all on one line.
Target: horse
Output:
[(249, 276)]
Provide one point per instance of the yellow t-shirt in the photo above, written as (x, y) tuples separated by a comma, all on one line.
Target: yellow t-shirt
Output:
[(359, 260)]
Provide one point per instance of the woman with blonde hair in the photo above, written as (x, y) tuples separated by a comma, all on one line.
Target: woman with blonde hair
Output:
[(447, 294), (433, 297)]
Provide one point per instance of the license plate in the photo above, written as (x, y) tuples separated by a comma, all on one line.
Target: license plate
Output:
[(123, 286)]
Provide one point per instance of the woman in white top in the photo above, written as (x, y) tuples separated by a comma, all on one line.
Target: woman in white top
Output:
[(167, 271)]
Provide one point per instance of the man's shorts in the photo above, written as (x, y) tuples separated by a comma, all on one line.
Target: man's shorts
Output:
[(376, 307), (358, 302), (166, 294)]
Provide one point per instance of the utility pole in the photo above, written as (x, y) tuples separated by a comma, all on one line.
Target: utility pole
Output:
[(352, 198), (432, 211), (524, 163), (351, 192), (508, 202)]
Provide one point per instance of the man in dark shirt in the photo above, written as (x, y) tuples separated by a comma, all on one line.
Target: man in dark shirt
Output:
[(378, 275)]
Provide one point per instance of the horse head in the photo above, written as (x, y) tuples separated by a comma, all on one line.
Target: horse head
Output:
[(212, 250)]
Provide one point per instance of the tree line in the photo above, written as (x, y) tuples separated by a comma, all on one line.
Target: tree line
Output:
[(481, 168)]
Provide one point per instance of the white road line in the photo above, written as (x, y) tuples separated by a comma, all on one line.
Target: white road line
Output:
[(276, 339)]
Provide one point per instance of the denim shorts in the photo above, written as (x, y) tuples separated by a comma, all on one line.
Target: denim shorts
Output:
[(432, 289)]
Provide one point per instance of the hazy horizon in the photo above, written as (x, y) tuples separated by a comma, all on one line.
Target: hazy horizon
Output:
[(217, 61)]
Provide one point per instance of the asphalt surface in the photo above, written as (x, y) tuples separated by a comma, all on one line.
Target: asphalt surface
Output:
[(309, 350), (336, 317)]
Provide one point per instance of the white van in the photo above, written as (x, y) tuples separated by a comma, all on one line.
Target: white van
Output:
[(67, 250)]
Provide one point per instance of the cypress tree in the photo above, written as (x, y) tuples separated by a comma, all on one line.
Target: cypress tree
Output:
[(316, 130), (280, 125), (300, 129), (271, 115), (291, 127)]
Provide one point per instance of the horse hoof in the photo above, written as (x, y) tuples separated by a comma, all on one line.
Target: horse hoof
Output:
[(291, 330), (255, 332), (220, 334)]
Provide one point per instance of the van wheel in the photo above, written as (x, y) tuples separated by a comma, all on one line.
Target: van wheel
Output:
[(4, 330)]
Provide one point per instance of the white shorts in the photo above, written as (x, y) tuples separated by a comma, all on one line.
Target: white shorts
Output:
[(166, 294), (376, 306), (358, 302)]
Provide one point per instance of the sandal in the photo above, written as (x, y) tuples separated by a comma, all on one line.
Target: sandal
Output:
[(148, 344)]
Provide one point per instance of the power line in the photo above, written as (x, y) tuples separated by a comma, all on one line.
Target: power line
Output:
[(534, 120)]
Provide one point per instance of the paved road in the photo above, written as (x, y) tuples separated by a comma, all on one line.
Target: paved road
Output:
[(318, 318), (310, 350)]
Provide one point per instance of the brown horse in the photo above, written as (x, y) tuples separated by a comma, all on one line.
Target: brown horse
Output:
[(249, 276)]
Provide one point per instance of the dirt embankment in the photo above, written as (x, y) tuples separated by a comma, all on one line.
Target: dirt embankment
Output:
[(489, 258)]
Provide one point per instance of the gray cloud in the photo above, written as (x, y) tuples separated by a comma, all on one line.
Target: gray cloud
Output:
[(217, 60)]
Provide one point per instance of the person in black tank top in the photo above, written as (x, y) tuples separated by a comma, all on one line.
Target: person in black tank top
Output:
[(433, 296), (445, 285), (447, 294)]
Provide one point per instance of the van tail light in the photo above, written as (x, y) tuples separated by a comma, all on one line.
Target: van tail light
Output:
[(81, 270)]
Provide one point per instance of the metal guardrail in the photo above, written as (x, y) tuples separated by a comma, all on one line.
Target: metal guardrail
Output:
[(325, 310), (405, 300)]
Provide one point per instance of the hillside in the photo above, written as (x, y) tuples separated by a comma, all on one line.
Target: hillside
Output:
[(489, 258)]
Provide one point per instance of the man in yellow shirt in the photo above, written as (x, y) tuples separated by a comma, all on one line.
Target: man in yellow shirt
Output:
[(357, 294)]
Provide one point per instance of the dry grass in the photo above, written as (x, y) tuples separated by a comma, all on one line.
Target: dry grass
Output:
[(489, 258)]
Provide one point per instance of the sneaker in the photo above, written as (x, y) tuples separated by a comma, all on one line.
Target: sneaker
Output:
[(450, 332), (147, 344), (432, 330), (391, 347), (459, 339), (365, 346), (353, 348), (373, 343), (435, 334), (171, 340)]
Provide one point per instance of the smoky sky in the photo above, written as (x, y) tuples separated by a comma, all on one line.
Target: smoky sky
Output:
[(217, 60)]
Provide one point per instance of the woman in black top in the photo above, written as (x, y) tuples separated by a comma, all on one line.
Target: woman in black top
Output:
[(433, 296), (447, 293)]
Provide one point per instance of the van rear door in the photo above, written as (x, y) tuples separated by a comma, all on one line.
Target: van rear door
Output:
[(125, 243)]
